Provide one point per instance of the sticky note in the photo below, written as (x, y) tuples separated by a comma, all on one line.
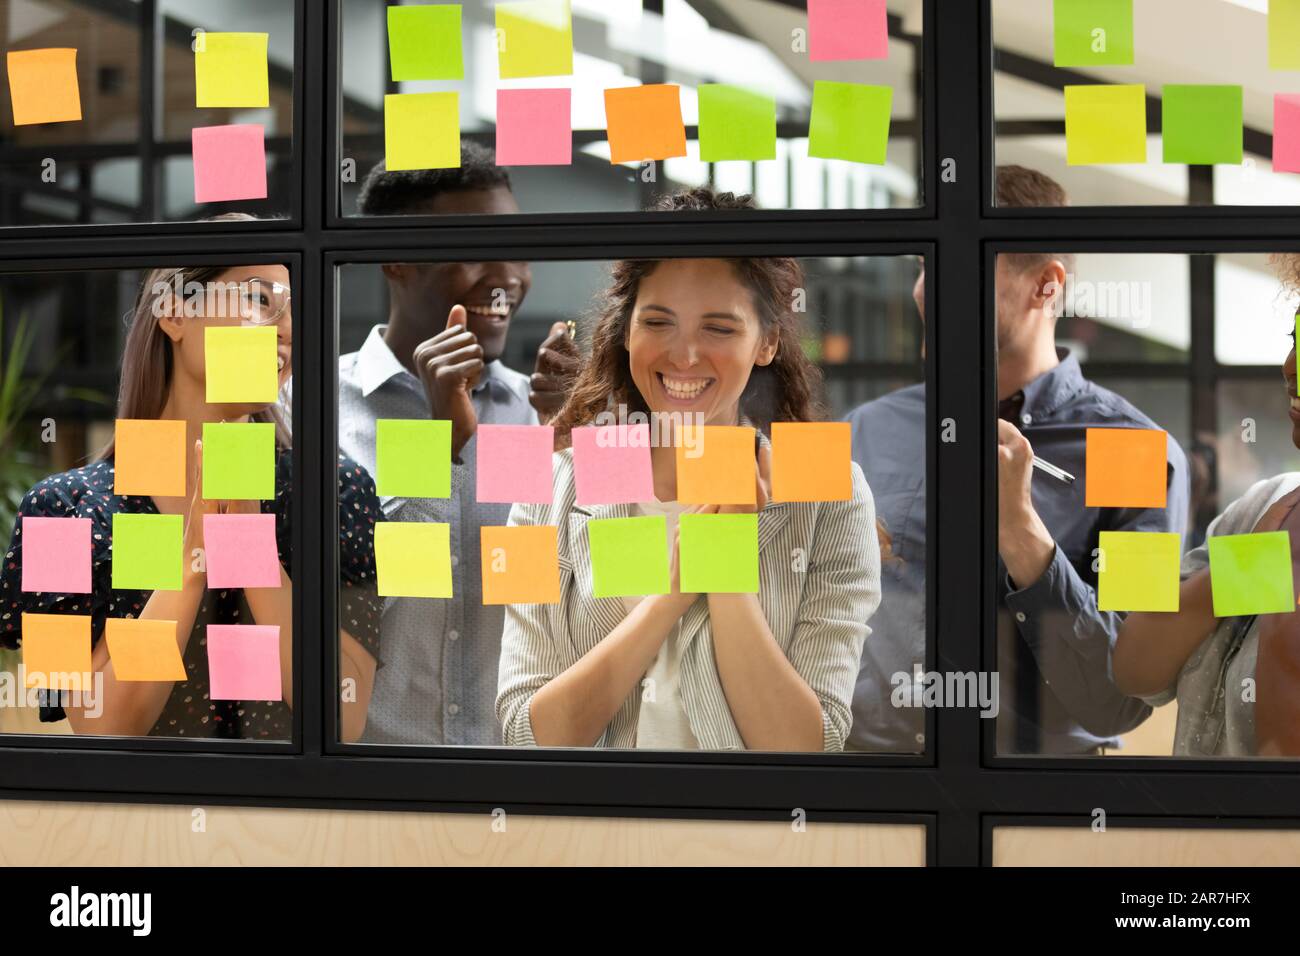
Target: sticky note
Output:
[(424, 42), (611, 464), (1201, 125), (238, 461), (1284, 34), (148, 552), (421, 131), (1125, 468), (149, 458), (1093, 32), (1251, 574), (736, 124), (241, 551), (847, 30), (43, 86), (413, 458), (230, 70), (56, 651), (629, 556), (144, 650), (534, 128), (240, 363), (1138, 570), (514, 463), (413, 559), (229, 162), (244, 662), (719, 553), (521, 565), (534, 38), (850, 121), (812, 461), (1286, 133), (1105, 124), (644, 122), (56, 555), (716, 465)]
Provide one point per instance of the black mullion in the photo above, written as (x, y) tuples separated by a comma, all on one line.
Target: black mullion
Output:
[(148, 129)]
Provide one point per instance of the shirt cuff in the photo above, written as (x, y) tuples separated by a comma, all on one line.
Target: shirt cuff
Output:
[(1048, 592)]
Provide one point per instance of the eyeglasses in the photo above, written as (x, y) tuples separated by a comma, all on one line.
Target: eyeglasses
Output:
[(262, 303)]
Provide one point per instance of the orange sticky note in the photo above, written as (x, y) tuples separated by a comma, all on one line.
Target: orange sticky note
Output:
[(716, 465), (56, 651), (143, 650), (43, 86), (149, 458), (1126, 468), (645, 122), (520, 565), (811, 461)]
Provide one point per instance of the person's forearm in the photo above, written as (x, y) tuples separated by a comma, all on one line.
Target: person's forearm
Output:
[(1153, 647), (773, 707), (1026, 547), (273, 607), (573, 709), (131, 708)]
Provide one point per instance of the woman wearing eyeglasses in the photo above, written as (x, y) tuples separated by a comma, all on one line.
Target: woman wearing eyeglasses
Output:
[(1236, 679), (163, 377)]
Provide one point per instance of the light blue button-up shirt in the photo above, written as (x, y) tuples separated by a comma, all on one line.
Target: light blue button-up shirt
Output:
[(438, 684)]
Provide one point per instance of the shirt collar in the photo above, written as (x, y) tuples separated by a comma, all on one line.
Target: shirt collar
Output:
[(1051, 390), (377, 365)]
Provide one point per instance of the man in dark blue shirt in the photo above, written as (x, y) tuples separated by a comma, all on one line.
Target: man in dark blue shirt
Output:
[(1056, 695)]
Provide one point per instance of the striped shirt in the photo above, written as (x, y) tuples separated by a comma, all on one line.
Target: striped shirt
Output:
[(819, 570)]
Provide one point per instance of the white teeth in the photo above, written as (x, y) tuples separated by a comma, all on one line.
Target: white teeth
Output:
[(685, 390), (1295, 402), (487, 310), (279, 363)]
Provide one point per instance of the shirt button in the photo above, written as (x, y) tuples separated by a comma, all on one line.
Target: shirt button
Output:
[(453, 635), (1026, 419), (453, 709), (1020, 616)]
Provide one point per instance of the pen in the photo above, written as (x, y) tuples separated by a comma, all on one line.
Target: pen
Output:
[(1060, 474), (573, 328)]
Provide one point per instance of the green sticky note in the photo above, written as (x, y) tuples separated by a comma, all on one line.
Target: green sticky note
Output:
[(629, 556), (534, 38), (230, 70), (413, 458), (1093, 32), (719, 553), (422, 131), (413, 559), (148, 552), (736, 124), (1105, 124), (850, 121), (1201, 125), (424, 42), (1139, 571), (238, 461), (1284, 34), (240, 364), (1251, 574)]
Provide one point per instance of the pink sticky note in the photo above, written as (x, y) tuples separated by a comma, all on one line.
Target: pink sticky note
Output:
[(56, 555), (612, 464), (244, 662), (241, 551), (1286, 133), (847, 30), (514, 463), (533, 128), (229, 162)]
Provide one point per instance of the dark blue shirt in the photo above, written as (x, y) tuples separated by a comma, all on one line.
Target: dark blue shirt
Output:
[(1055, 689)]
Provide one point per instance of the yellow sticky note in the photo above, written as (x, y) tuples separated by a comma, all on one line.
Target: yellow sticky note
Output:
[(413, 559), (812, 461), (521, 565), (1105, 124), (240, 363), (230, 70), (716, 465), (56, 651), (421, 131), (1138, 570), (534, 38), (149, 457), (1284, 34), (144, 650), (43, 86)]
